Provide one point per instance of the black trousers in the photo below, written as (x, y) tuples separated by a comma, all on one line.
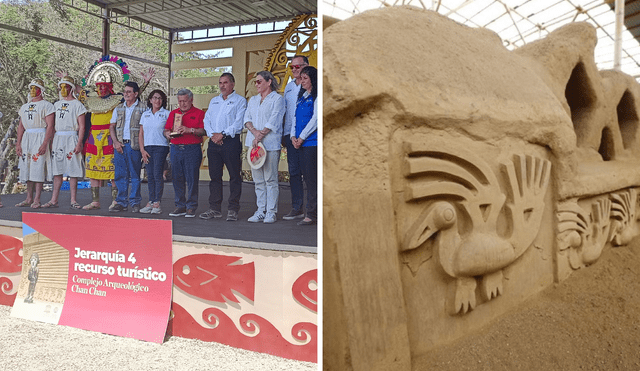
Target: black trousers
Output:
[(228, 154), (310, 177)]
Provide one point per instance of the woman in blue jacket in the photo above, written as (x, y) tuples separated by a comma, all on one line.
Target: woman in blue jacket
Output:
[(304, 136)]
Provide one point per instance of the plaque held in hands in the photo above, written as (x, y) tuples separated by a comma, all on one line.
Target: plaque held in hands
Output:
[(177, 123)]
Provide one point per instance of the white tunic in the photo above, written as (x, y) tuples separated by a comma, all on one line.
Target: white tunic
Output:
[(34, 167), (64, 161)]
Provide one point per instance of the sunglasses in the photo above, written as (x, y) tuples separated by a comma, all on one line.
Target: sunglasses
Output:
[(297, 66)]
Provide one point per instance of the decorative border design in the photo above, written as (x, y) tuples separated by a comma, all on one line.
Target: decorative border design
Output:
[(255, 333)]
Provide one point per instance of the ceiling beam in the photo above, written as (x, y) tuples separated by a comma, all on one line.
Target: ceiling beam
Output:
[(167, 10), (125, 3)]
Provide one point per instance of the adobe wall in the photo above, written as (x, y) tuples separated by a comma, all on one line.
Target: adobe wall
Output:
[(461, 178)]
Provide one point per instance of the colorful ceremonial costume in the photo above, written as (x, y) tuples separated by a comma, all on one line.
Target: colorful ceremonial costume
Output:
[(64, 161), (35, 167), (99, 147)]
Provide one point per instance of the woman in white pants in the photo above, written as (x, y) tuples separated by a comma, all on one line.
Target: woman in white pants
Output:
[(263, 120)]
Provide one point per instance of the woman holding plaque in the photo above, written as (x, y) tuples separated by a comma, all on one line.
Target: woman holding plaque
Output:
[(154, 147), (263, 120)]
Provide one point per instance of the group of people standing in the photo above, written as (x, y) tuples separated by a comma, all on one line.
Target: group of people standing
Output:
[(124, 133)]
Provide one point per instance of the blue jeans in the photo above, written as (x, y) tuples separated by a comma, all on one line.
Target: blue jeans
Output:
[(157, 157), (185, 165), (127, 168), (294, 160)]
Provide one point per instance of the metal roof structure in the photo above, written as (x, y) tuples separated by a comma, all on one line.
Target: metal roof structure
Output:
[(185, 15), (519, 22)]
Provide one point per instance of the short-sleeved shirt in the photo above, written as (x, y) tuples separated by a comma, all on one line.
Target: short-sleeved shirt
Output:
[(33, 114), (193, 118), (153, 124), (267, 114), (291, 99), (225, 115), (67, 112)]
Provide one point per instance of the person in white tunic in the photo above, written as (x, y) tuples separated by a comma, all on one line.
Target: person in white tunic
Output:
[(66, 150), (263, 120), (35, 130)]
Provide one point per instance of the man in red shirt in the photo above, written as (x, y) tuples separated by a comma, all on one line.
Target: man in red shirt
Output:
[(185, 128)]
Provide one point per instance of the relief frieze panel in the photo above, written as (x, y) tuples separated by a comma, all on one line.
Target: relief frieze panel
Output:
[(474, 220)]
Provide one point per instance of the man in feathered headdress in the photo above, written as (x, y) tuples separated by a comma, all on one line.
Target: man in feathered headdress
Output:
[(105, 74)]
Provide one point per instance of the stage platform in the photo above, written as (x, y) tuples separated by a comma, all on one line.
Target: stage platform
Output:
[(284, 235)]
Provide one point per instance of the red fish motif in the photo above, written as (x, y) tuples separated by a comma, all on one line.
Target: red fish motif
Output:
[(303, 293), (10, 259), (212, 277)]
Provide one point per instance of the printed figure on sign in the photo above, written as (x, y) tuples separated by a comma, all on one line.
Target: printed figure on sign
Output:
[(32, 276)]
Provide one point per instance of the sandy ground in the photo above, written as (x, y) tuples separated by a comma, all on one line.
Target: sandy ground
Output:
[(28, 345), (591, 321)]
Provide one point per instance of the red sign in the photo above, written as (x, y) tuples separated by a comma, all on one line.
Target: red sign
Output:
[(120, 273)]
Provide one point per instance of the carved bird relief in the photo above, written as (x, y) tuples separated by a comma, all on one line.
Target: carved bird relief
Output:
[(584, 234), (625, 217), (464, 205)]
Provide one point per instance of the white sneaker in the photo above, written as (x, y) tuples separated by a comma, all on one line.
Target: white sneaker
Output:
[(270, 218), (147, 209), (257, 217), (156, 208)]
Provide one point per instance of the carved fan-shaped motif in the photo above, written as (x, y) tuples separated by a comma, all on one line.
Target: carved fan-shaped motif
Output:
[(583, 233), (625, 216), (461, 191)]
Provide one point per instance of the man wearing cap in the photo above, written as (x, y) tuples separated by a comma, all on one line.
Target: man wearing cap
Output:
[(35, 130), (125, 130), (185, 128), (223, 125), (294, 155), (67, 143)]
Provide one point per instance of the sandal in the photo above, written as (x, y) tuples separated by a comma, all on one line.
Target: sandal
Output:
[(75, 205), (49, 205), (35, 205), (91, 206), (24, 203)]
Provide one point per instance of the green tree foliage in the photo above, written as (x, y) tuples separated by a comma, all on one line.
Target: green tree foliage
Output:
[(24, 57)]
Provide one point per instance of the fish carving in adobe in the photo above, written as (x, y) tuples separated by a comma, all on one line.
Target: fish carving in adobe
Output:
[(212, 277)]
